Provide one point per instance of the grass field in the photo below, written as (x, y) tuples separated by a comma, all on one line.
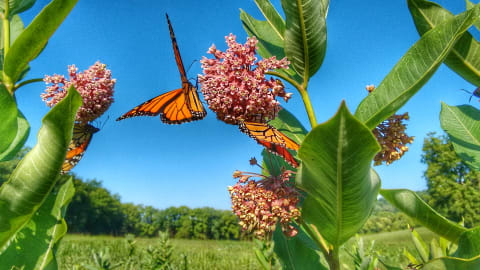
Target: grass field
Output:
[(76, 251)]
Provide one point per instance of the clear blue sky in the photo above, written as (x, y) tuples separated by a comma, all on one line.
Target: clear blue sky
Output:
[(148, 162)]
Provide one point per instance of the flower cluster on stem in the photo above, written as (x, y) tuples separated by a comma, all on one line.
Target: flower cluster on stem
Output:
[(234, 84), (391, 136), (95, 85), (261, 203)]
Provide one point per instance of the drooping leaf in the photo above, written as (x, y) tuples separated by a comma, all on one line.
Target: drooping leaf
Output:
[(36, 174), (464, 58), (469, 244), (16, 6), (410, 204), (414, 69), (34, 245), (298, 252), (8, 119), (21, 137), (33, 39), (449, 263), (336, 174), (305, 35), (462, 124)]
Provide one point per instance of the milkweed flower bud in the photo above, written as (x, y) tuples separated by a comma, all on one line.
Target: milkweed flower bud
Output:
[(234, 84), (95, 85)]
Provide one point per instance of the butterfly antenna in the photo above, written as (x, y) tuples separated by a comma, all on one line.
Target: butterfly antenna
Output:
[(188, 69), (467, 91)]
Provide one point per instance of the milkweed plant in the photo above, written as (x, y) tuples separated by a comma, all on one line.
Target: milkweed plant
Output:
[(309, 209)]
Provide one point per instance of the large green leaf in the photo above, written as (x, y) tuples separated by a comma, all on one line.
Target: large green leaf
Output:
[(410, 204), (36, 174), (305, 35), (335, 173), (33, 39), (8, 119), (450, 263), (462, 124), (414, 69), (298, 252), (16, 6), (21, 137), (464, 58), (34, 245), (469, 244)]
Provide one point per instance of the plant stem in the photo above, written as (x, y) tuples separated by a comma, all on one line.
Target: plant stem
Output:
[(333, 259), (6, 30), (308, 107), (27, 82), (303, 92), (317, 238)]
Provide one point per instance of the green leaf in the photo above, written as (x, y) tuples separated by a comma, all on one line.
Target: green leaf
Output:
[(464, 58), (409, 203), (297, 252), (449, 263), (420, 245), (469, 6), (36, 174), (34, 245), (8, 119), (305, 35), (335, 173), (462, 124), (23, 130), (16, 6), (414, 69), (469, 244), (33, 39), (273, 18)]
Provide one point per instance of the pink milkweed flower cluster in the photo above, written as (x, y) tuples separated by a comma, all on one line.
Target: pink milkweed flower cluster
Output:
[(95, 85), (235, 87), (260, 204)]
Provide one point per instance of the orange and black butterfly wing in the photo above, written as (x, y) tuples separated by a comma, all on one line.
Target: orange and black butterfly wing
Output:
[(154, 106), (81, 138), (176, 51), (273, 140), (265, 132), (280, 151)]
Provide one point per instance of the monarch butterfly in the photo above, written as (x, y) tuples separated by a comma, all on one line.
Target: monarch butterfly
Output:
[(82, 135), (177, 106), (272, 139)]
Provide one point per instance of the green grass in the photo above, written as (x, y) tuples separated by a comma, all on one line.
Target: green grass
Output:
[(77, 250)]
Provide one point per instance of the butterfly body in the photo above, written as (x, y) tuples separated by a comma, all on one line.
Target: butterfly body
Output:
[(177, 106), (81, 138)]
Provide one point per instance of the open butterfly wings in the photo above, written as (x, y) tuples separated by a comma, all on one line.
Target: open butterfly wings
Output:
[(81, 138), (273, 140), (177, 106)]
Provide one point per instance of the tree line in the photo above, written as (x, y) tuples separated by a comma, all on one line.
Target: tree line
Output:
[(453, 189)]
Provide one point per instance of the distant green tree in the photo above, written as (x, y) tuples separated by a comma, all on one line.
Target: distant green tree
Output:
[(453, 188)]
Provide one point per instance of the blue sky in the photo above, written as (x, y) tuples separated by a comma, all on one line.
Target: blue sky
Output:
[(148, 162)]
